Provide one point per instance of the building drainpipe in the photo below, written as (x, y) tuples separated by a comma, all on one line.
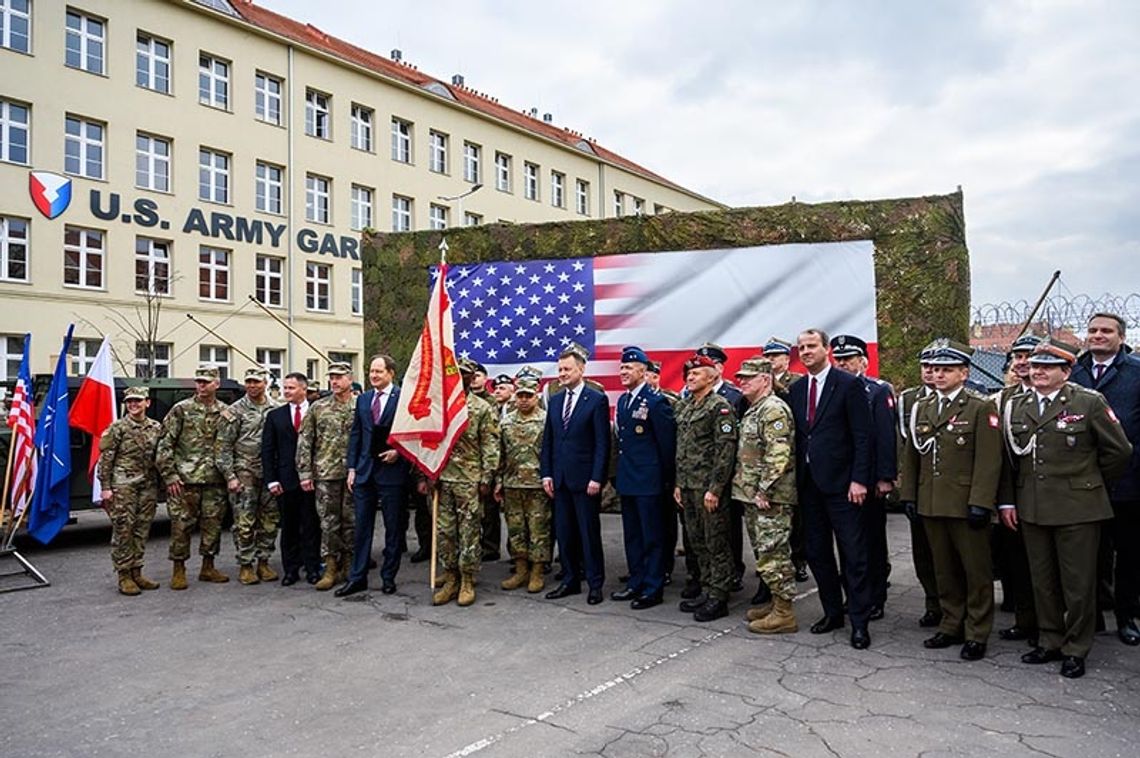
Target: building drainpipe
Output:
[(289, 210), (601, 190)]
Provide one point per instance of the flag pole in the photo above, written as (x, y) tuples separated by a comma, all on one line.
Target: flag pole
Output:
[(434, 532), (7, 494)]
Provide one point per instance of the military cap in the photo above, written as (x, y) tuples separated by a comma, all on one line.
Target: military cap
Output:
[(504, 379), (700, 361), (634, 354), (480, 367), (654, 367), (1053, 352), (754, 366), (529, 372), (526, 386), (340, 368), (206, 373), (714, 351), (950, 353), (1025, 343), (467, 366), (928, 351), (138, 392), (256, 373), (848, 346), (575, 350), (777, 346)]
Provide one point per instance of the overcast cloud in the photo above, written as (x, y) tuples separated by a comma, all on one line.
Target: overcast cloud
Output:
[(1031, 107)]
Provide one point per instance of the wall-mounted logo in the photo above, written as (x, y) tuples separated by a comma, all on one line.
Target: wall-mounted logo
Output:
[(51, 193)]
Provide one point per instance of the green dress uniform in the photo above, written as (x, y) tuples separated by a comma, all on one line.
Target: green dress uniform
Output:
[(919, 545), (1010, 561)]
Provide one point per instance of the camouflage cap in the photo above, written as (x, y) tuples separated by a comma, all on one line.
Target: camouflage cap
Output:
[(339, 368), (529, 372), (754, 366), (777, 346), (138, 392), (526, 386), (257, 373), (1053, 352), (206, 373), (467, 366), (714, 351), (576, 350)]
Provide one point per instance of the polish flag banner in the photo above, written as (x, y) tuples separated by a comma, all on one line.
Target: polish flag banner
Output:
[(94, 408)]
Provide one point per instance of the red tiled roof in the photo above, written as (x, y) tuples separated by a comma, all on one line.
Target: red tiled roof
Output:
[(311, 36)]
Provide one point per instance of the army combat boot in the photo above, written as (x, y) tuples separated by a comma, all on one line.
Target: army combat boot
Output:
[(141, 581), (264, 572), (520, 577), (448, 591), (328, 579), (467, 589), (537, 577), (178, 576), (210, 574), (782, 619), (247, 575), (127, 585)]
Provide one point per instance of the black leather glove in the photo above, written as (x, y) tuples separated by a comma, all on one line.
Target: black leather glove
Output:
[(977, 517), (910, 508)]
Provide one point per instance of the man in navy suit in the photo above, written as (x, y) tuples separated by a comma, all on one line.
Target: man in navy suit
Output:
[(833, 473), (575, 453), (300, 525), (647, 448), (377, 475)]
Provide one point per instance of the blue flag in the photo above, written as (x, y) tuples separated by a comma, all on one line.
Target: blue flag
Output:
[(51, 503)]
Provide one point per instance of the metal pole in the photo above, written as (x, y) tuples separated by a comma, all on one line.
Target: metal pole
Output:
[(1040, 300), (229, 344), (292, 331), (434, 522)]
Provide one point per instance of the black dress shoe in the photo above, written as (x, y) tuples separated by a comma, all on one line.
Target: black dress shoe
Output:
[(973, 651), (1127, 631), (876, 613), (389, 587), (736, 585), (801, 574), (560, 575), (594, 596), (827, 624), (711, 611), (645, 601), (763, 595), (624, 596), (313, 577), (691, 606), (563, 590), (350, 588), (860, 638), (1073, 667), (420, 556), (1041, 655), (930, 618), (692, 589), (1015, 633), (941, 640), (290, 579)]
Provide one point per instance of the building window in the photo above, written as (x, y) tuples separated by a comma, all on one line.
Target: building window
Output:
[(312, 370), (361, 127), (14, 132), (269, 281), (152, 266), (13, 249), (152, 360), (82, 257), (342, 357), (530, 179), (16, 25), (85, 42), (152, 162), (401, 213), (582, 197), (361, 207), (502, 172), (619, 203), (83, 354), (272, 360), (437, 216), (438, 146), (213, 176), (267, 98), (472, 156), (318, 285), (213, 273), (217, 356), (268, 187), (213, 81), (557, 189), (357, 292), (83, 147), (317, 198), (638, 206), (401, 141), (472, 219), (11, 356), (317, 123), (152, 63)]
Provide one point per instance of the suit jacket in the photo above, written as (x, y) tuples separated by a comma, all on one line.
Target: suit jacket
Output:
[(1120, 386), (838, 444), (577, 455), (361, 457), (884, 453), (646, 443), (279, 448)]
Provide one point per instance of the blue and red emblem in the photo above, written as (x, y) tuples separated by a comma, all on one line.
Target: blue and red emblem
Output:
[(51, 193)]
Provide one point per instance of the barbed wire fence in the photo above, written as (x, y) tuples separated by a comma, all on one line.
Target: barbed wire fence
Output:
[(1059, 312)]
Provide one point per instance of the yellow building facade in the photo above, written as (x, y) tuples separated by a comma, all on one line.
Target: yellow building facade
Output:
[(161, 159)]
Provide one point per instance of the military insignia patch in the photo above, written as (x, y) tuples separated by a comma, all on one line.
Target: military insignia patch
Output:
[(993, 421), (725, 411), (778, 426), (726, 428), (1112, 416)]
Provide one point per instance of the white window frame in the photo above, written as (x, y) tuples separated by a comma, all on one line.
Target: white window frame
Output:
[(11, 126), (530, 181), (162, 352), (318, 287), (437, 216), (619, 203), (269, 280), (272, 359), (356, 290), (83, 352), (401, 140), (502, 172), (14, 248), (213, 176), (152, 65), (437, 152), (217, 356), (582, 197), (213, 81), (266, 101), (154, 255), (318, 199), (360, 128), (11, 356), (152, 165), (362, 207), (401, 213), (90, 158), (557, 189), (638, 206), (214, 274), (472, 162), (8, 17), (269, 188), (318, 114), (472, 219), (86, 253), (88, 39)]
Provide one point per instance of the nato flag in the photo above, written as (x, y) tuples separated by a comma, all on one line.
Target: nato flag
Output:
[(51, 503)]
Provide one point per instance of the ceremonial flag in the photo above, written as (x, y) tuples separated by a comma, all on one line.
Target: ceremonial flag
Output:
[(511, 314), (94, 409), (51, 501), (432, 408), (22, 421)]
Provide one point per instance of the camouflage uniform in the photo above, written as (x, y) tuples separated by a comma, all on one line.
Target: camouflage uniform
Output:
[(322, 456), (706, 446), (525, 505), (473, 461), (126, 467), (766, 464), (238, 455), (186, 454)]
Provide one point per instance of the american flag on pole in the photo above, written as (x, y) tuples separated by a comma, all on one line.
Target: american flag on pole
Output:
[(22, 421), (511, 314)]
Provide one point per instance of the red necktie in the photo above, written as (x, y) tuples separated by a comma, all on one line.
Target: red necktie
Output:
[(296, 418), (813, 391)]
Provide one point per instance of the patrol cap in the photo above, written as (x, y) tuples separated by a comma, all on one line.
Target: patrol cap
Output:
[(777, 346), (257, 373), (206, 373), (950, 353), (339, 368), (526, 386), (634, 354), (1025, 343), (654, 367), (848, 346), (467, 366), (1054, 352), (575, 350), (528, 372), (753, 366), (138, 392), (714, 351)]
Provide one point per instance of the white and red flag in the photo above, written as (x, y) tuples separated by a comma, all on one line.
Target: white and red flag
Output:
[(22, 420), (94, 408)]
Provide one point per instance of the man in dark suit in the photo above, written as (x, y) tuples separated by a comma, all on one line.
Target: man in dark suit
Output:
[(575, 454), (377, 475), (300, 525), (833, 422)]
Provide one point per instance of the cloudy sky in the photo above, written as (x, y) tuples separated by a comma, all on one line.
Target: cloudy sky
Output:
[(1031, 107)]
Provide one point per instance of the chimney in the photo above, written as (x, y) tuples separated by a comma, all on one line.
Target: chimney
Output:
[(457, 80), (397, 54), (548, 118), (533, 112)]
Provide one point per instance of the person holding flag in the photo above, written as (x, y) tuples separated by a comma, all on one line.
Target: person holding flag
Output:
[(51, 503)]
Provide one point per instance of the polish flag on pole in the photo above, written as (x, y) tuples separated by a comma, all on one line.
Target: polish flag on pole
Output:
[(94, 408)]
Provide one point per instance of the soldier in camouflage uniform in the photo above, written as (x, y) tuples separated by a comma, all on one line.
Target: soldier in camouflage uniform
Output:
[(468, 476), (519, 488), (129, 483), (706, 448), (238, 454), (322, 465), (196, 493), (765, 482)]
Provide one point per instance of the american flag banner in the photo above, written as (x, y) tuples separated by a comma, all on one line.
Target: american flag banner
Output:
[(22, 421), (511, 314)]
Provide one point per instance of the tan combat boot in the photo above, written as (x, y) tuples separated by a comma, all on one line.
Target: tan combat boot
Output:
[(178, 576), (264, 572), (467, 589), (210, 574), (759, 612), (447, 592), (247, 575), (537, 577), (127, 584), (328, 579), (519, 578), (141, 581), (782, 619)]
